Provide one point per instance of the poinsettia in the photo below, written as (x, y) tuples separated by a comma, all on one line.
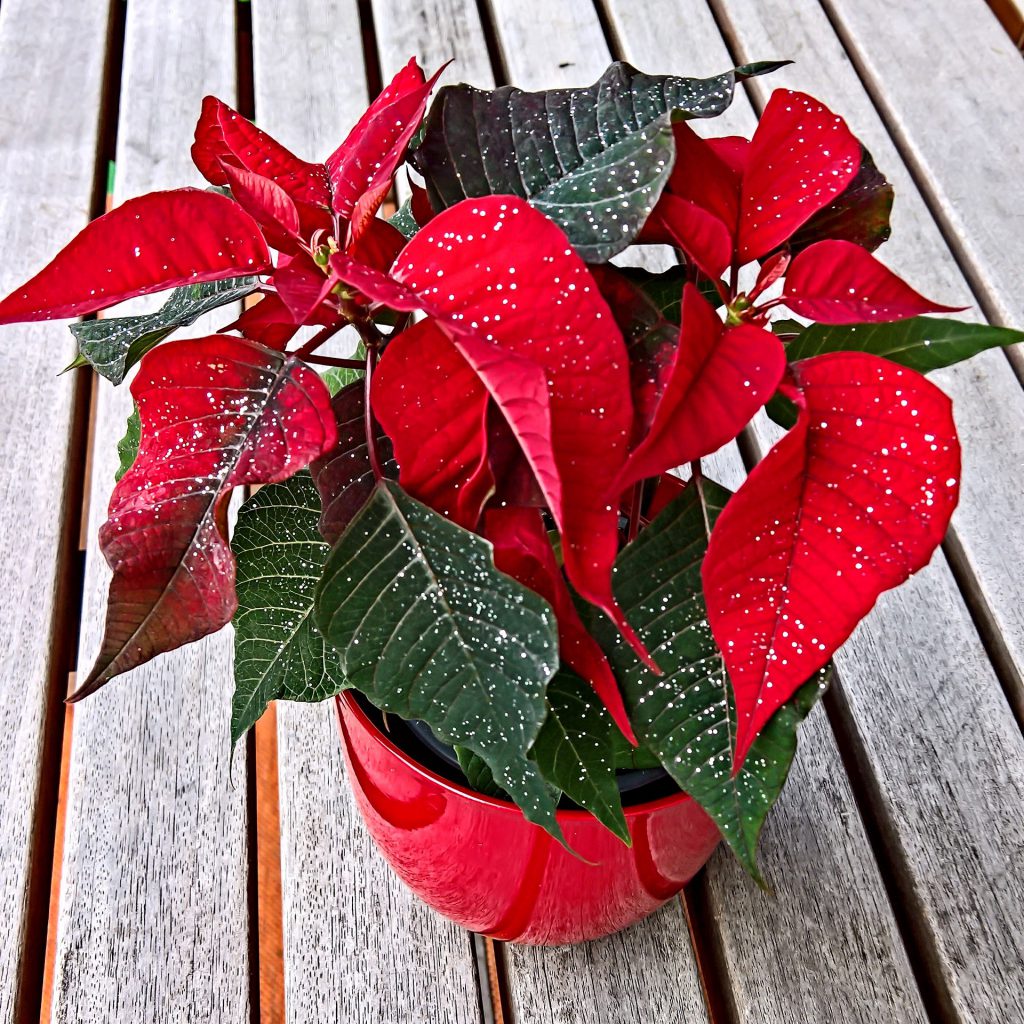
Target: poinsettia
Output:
[(475, 520)]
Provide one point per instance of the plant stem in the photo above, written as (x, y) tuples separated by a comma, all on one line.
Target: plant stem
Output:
[(636, 503), (697, 476), (371, 433), (348, 364), (318, 339)]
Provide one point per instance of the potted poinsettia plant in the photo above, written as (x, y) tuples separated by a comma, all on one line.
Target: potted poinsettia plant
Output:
[(564, 671)]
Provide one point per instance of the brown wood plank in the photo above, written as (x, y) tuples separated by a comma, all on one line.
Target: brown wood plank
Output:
[(51, 83)]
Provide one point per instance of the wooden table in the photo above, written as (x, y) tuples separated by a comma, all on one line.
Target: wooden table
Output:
[(895, 854)]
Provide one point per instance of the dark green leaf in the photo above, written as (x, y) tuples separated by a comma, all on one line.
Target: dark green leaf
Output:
[(427, 628), (922, 343), (478, 775), (404, 220), (686, 717), (575, 751), (594, 159), (279, 651), (128, 446), (112, 347)]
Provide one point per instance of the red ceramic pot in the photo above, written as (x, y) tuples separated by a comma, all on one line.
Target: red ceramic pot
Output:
[(479, 862)]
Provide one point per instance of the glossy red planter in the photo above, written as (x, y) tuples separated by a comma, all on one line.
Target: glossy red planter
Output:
[(480, 863)]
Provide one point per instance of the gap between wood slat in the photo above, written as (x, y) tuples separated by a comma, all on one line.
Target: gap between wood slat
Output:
[(35, 990), (1010, 17), (971, 590), (371, 56), (712, 963), (488, 25)]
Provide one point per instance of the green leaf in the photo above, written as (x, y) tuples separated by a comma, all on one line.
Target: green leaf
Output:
[(427, 628), (594, 159), (478, 775), (404, 220), (923, 343), (686, 716), (279, 651), (113, 347), (575, 751), (128, 446)]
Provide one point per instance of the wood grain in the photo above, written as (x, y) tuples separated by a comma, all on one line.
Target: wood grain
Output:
[(358, 945), (960, 61), (154, 917), (49, 131)]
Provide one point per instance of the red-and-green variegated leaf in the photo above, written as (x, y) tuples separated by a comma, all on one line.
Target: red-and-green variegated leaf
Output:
[(499, 275), (837, 282), (158, 241), (361, 169), (801, 157), (719, 378), (216, 413), (223, 135), (433, 405), (522, 549), (847, 505)]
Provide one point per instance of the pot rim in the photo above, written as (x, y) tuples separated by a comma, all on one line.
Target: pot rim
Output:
[(506, 806)]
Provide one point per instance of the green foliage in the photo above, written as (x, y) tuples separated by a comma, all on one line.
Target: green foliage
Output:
[(594, 159), (686, 717), (128, 446), (427, 628), (404, 220), (575, 751), (279, 651), (112, 347)]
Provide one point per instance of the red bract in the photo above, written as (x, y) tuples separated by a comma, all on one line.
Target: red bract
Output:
[(522, 549), (432, 404), (847, 505), (362, 167), (158, 241), (500, 276), (801, 157), (719, 378), (837, 282), (216, 413)]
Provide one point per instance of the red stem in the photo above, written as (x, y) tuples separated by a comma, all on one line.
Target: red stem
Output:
[(318, 339), (636, 504)]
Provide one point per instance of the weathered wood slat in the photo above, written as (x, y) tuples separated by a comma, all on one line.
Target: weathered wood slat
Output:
[(154, 920), (48, 140), (948, 770), (959, 61), (825, 945), (977, 83), (358, 945)]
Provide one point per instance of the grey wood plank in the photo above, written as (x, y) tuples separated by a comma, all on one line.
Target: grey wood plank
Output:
[(154, 922), (949, 769), (980, 181), (957, 59), (358, 945), (49, 116)]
